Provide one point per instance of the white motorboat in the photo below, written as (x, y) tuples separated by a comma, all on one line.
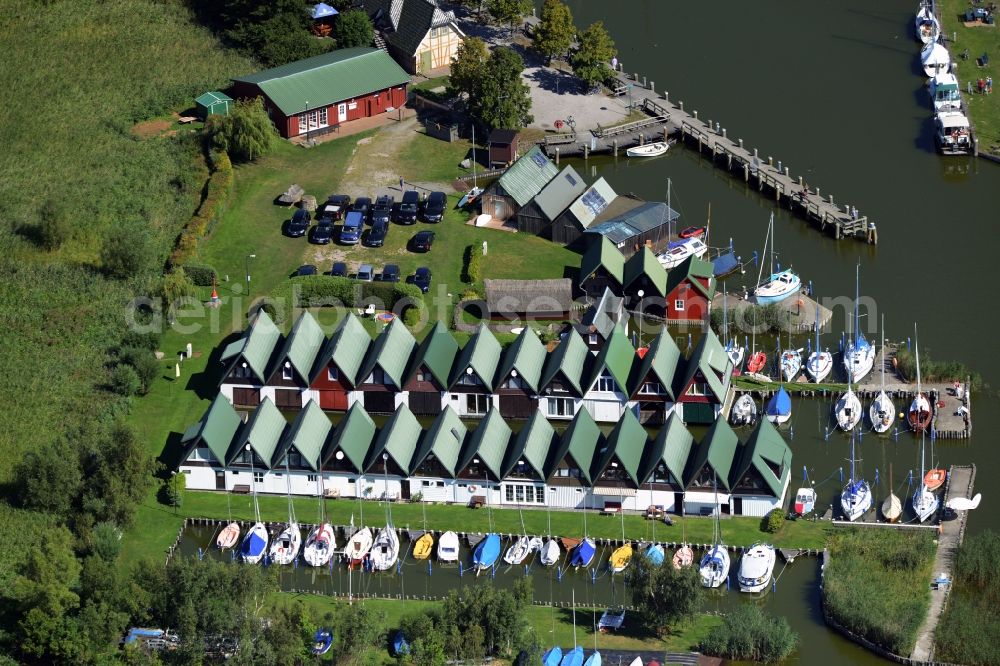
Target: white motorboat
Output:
[(385, 549), (756, 567), (447, 549), (945, 94), (848, 410), (648, 150), (744, 411), (926, 24), (550, 552), (680, 251), (882, 412), (778, 287), (517, 551), (805, 500), (358, 545), (952, 133), (319, 545), (934, 59), (859, 357), (856, 498), (285, 547), (791, 364)]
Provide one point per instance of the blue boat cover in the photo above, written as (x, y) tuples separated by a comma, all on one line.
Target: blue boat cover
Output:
[(487, 551), (136, 632), (856, 487), (573, 658), (593, 660), (399, 644), (322, 641), (323, 10), (582, 554), (552, 657), (655, 555), (253, 545), (724, 264), (780, 403)]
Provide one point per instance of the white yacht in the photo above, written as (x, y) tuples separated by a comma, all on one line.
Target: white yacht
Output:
[(680, 251), (945, 94), (952, 133), (934, 59), (756, 567)]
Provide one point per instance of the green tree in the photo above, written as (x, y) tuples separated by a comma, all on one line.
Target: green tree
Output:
[(145, 364), (127, 250), (119, 472), (106, 541), (49, 479), (246, 133), (353, 28), (172, 490), (510, 11), (504, 100), (468, 67), (555, 31), (663, 595), (593, 55), (176, 286), (124, 380), (54, 225)]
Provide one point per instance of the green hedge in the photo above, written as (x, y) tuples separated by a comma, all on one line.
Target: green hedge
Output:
[(327, 291), (220, 186), (201, 275), (472, 268)]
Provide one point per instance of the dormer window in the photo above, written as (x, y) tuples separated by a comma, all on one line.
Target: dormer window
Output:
[(606, 383), (332, 373), (651, 388), (286, 371)]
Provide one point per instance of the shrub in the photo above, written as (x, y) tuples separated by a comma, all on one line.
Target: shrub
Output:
[(773, 521), (54, 227), (125, 380), (472, 269), (416, 498), (749, 634), (127, 249), (172, 491), (149, 340), (933, 371), (213, 206), (327, 291), (201, 275), (144, 363)]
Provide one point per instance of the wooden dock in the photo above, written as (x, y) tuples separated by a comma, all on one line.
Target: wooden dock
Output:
[(614, 139)]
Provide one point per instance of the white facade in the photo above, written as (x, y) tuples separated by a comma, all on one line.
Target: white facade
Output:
[(470, 405)]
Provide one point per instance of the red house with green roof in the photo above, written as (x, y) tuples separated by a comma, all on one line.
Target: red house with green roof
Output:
[(689, 291)]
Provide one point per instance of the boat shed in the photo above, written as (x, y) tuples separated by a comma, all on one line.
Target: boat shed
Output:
[(213, 102), (644, 271), (483, 454), (645, 225), (567, 229), (248, 360), (518, 185), (502, 146), (537, 216), (515, 300), (602, 267), (690, 289)]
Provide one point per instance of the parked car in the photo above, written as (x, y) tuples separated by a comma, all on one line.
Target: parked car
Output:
[(422, 241), (339, 269), (382, 209), (306, 269), (408, 208), (421, 278), (390, 273), (336, 206), (350, 233), (366, 273), (363, 205), (434, 206), (299, 224), (322, 233), (376, 235)]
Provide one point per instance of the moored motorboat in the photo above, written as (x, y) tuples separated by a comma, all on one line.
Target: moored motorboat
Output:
[(952, 132), (779, 407), (385, 549), (848, 410), (358, 546), (927, 27), (620, 558), (648, 150), (934, 59), (805, 501), (549, 554), (228, 536), (945, 94), (319, 545), (777, 287), (447, 550), (681, 250), (423, 546), (756, 567)]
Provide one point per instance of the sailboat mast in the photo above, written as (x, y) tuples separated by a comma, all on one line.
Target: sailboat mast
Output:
[(916, 345), (767, 236), (857, 296), (669, 218), (771, 229), (474, 184), (882, 342)]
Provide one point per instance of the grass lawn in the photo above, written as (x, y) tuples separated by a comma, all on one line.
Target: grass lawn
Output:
[(984, 109)]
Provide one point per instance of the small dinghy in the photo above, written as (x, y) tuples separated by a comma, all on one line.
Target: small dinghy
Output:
[(552, 657), (779, 407), (756, 362), (848, 411), (447, 550), (612, 618), (892, 508), (805, 501), (286, 546), (358, 546), (486, 553), (744, 411), (322, 641), (319, 545), (935, 478), (584, 553), (654, 553), (620, 558), (469, 197), (593, 660), (756, 567), (964, 503), (517, 551), (692, 232), (573, 658), (648, 150), (550, 552), (254, 544), (423, 547), (228, 536), (385, 549), (683, 558)]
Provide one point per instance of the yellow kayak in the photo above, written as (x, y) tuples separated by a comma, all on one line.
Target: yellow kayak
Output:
[(423, 546), (620, 558)]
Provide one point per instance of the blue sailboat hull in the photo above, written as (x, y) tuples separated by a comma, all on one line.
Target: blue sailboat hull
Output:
[(552, 657), (593, 660), (573, 658), (655, 555), (487, 551)]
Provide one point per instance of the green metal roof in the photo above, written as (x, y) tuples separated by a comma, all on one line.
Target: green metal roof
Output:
[(527, 176), (489, 442), (307, 434), (693, 270), (768, 453), (437, 352), (482, 354), (328, 78), (602, 252), (579, 441), (443, 440), (217, 429), (399, 438), (262, 433), (718, 449), (213, 97), (662, 358), (391, 352), (644, 263), (711, 359), (560, 193), (353, 435), (570, 357), (532, 445), (671, 446), (527, 356), (627, 441), (303, 345), (347, 349), (617, 355), (260, 341)]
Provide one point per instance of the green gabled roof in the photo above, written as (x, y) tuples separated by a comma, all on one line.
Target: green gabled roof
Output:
[(303, 345), (233, 348), (399, 438), (768, 453), (571, 357), (212, 97), (527, 176), (328, 78), (346, 348), (711, 358), (527, 356), (437, 352), (391, 352), (662, 358), (531, 445), (443, 440), (489, 443), (627, 442), (693, 270), (353, 435), (644, 263), (602, 252), (263, 433), (581, 441), (617, 355), (307, 434), (718, 449), (482, 354), (671, 446), (217, 429), (260, 341)]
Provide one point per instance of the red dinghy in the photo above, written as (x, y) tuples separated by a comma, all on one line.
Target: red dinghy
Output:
[(756, 362), (692, 232), (934, 479)]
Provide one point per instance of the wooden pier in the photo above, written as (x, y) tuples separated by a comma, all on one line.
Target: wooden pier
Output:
[(617, 138)]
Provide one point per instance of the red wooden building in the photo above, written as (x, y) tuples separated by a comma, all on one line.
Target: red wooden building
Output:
[(335, 374), (317, 94), (690, 288)]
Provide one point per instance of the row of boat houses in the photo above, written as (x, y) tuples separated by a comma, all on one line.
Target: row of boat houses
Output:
[(599, 372), (580, 468)]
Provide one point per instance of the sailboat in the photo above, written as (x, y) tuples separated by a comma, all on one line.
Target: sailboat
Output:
[(385, 548), (358, 546), (255, 541), (583, 553), (470, 197), (714, 567), (733, 349), (423, 546), (756, 567), (856, 498), (882, 412), (286, 546), (779, 407), (321, 541), (744, 411), (919, 414), (573, 658), (859, 357), (447, 550), (231, 532), (654, 552), (820, 363), (550, 552), (486, 553), (925, 502), (848, 409), (521, 548), (779, 285), (622, 555), (552, 657), (926, 24), (791, 364)]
